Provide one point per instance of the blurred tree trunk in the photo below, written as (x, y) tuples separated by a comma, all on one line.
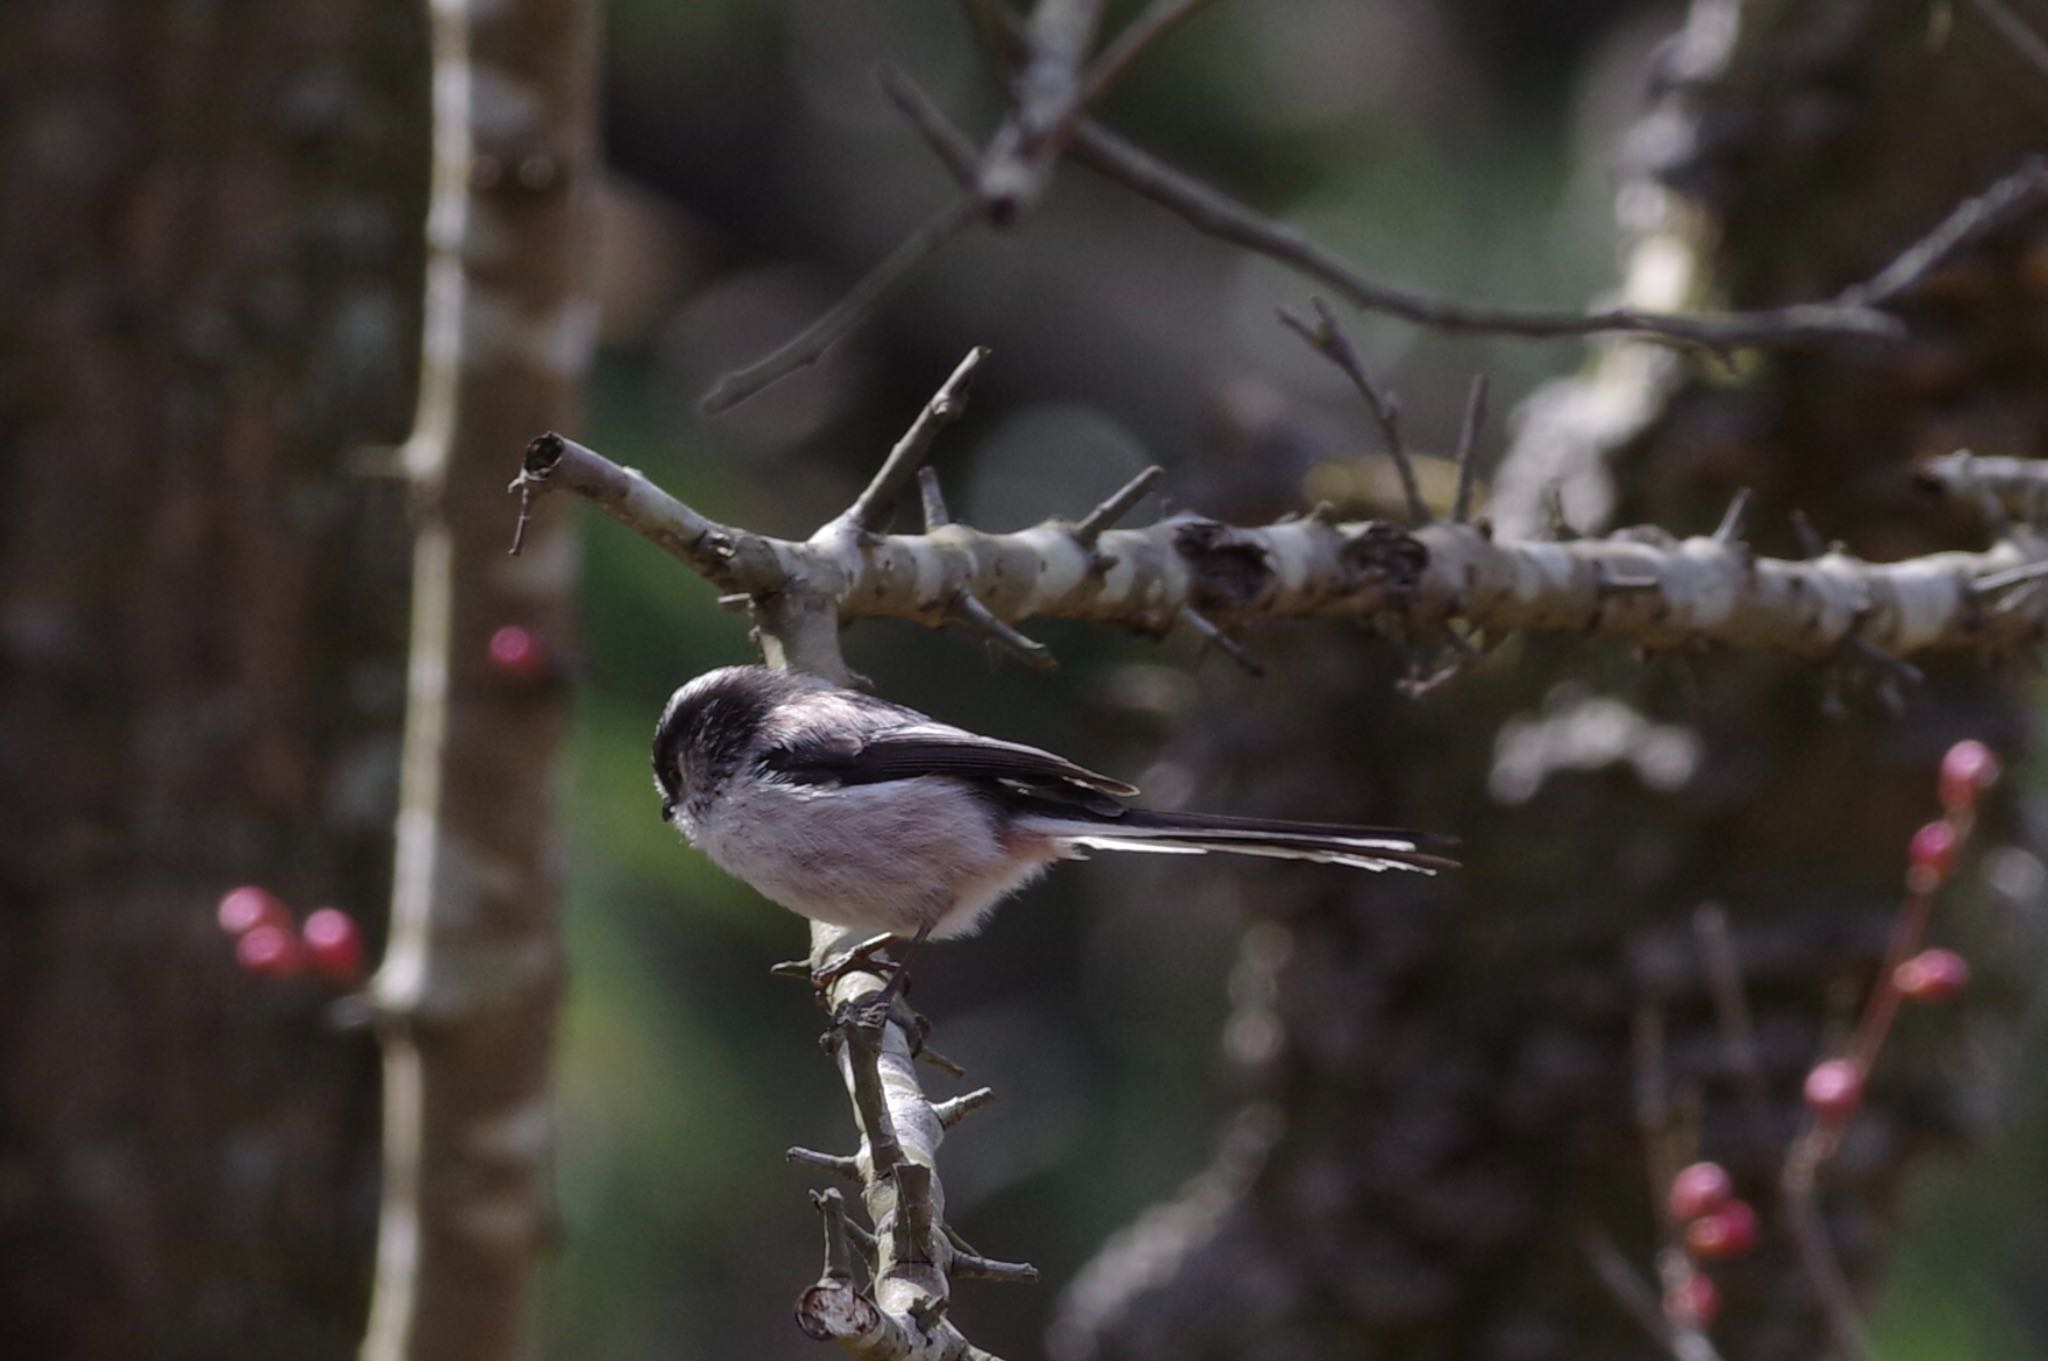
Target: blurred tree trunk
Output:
[(211, 268), (1439, 1079)]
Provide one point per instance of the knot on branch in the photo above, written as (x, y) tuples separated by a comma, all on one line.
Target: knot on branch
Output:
[(836, 1309), (1230, 567), (1386, 557)]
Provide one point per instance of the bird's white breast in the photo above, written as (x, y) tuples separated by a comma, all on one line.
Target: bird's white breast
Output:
[(892, 856)]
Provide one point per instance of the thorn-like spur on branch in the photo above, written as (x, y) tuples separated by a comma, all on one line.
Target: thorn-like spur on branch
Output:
[(880, 284), (936, 516), (838, 1164), (1729, 531), (1327, 338), (1468, 443), (966, 610), (1678, 592), (1213, 634), (953, 1110), (871, 509), (1119, 504), (969, 1267)]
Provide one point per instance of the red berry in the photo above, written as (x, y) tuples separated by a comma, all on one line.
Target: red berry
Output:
[(1696, 1304), (1700, 1189), (519, 653), (1967, 770), (1932, 976), (245, 908), (269, 952), (334, 946), (1931, 855), (1834, 1090), (1728, 1232)]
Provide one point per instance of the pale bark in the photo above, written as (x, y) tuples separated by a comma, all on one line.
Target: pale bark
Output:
[(467, 992)]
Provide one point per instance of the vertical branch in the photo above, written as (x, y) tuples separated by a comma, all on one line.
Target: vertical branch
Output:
[(468, 987)]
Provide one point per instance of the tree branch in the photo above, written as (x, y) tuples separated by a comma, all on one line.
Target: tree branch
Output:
[(1641, 587), (1999, 486), (467, 990)]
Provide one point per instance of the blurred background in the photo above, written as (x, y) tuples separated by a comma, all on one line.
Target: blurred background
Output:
[(1129, 1016), (758, 172)]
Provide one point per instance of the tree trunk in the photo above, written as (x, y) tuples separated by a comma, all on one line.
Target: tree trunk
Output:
[(211, 263), (1440, 1079)]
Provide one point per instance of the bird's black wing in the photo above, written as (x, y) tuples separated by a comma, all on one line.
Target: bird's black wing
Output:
[(910, 750)]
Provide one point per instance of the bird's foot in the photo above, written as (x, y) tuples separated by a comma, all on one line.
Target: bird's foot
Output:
[(870, 956)]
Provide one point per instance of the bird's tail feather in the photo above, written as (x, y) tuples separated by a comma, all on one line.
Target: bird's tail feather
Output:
[(1366, 848)]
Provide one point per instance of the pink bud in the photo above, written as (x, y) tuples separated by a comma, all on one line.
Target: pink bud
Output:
[(269, 952), (1930, 856), (1932, 976), (519, 653), (1728, 1232), (242, 909), (1700, 1189), (1967, 770), (1834, 1090), (334, 946)]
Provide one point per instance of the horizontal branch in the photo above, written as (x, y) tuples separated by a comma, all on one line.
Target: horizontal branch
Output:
[(1642, 587), (2001, 486)]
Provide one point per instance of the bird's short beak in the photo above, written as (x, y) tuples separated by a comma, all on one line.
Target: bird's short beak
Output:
[(668, 809)]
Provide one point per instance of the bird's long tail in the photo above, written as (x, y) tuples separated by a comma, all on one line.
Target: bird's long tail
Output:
[(1136, 829)]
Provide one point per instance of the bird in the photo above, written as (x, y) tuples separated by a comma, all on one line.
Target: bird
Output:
[(865, 814)]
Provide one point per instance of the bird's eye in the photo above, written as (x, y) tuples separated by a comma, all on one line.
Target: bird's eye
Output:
[(668, 809)]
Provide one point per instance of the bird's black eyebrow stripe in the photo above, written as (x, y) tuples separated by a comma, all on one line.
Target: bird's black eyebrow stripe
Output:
[(712, 728)]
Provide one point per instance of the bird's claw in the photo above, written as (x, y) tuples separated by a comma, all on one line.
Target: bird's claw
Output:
[(866, 957)]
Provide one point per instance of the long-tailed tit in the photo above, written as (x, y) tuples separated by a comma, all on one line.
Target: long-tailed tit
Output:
[(851, 810)]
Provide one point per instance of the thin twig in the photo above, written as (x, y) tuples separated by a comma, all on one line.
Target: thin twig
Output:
[(871, 509), (1723, 969), (1468, 443), (1611, 1268), (1660, 1162), (947, 142), (1327, 338), (2011, 199), (2015, 31), (1852, 313), (880, 284), (1136, 38), (1797, 1185)]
